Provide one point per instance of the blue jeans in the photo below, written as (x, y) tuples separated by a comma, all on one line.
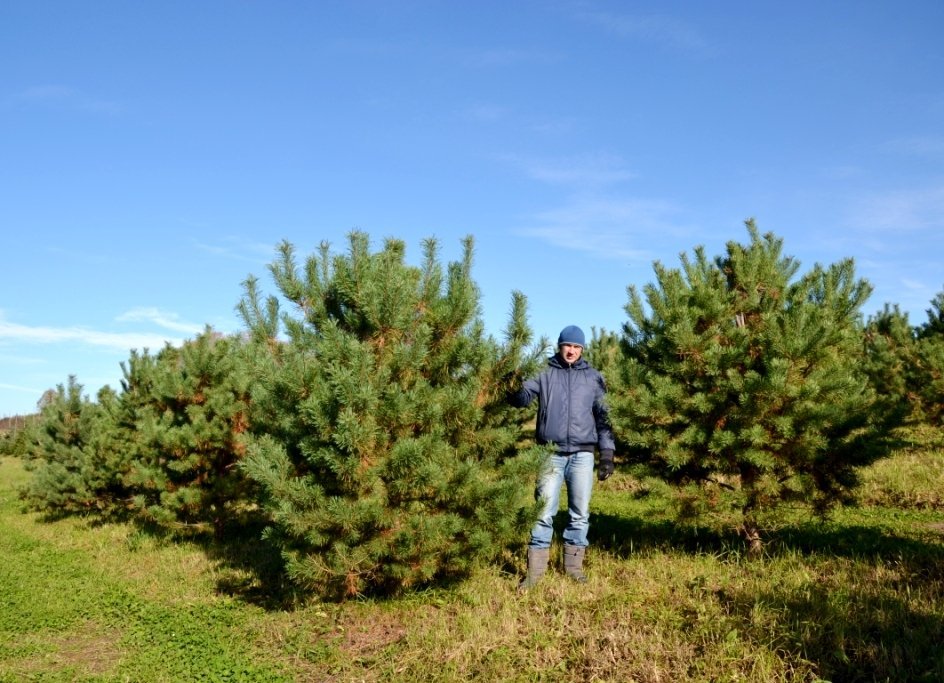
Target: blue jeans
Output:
[(576, 470)]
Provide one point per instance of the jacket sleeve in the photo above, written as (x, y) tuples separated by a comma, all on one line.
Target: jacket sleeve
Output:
[(527, 393), (601, 415)]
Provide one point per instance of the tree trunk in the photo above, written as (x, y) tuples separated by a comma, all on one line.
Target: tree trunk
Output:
[(751, 533)]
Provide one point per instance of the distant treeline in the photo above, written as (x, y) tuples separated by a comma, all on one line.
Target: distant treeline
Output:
[(15, 422)]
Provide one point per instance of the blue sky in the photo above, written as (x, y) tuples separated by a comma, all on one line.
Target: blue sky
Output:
[(152, 154)]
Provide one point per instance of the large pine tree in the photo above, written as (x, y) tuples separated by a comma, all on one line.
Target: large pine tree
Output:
[(383, 442), (736, 372)]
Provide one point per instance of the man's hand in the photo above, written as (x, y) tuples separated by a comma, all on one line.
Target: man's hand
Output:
[(605, 468)]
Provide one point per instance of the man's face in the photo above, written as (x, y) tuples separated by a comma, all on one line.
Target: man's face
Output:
[(570, 352)]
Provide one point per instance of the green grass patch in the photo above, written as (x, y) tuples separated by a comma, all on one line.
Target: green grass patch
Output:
[(912, 479), (78, 604)]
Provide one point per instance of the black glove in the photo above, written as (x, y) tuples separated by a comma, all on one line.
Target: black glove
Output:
[(605, 468)]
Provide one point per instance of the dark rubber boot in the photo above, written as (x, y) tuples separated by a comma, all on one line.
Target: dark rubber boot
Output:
[(537, 565), (573, 562)]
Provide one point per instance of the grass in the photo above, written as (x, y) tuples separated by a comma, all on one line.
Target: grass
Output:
[(857, 598)]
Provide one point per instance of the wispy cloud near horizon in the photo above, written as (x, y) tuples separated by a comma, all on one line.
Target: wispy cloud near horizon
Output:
[(169, 321), (18, 388), (120, 341)]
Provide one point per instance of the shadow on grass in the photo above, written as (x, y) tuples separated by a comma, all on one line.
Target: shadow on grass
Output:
[(877, 620), (874, 631), (252, 570), (624, 536), (860, 541), (248, 567), (879, 617)]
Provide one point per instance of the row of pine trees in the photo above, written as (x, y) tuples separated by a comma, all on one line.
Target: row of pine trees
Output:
[(361, 417)]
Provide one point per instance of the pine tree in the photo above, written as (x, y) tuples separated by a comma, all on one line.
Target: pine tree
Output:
[(930, 381), (75, 453), (382, 440), (13, 434), (891, 358), (742, 375), (906, 364), (185, 410), (934, 326), (931, 391)]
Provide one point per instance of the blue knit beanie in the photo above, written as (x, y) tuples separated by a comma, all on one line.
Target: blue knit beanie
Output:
[(571, 335)]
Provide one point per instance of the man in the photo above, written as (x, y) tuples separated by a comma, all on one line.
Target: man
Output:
[(571, 416)]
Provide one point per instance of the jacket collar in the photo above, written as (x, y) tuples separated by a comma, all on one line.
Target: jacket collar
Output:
[(556, 361)]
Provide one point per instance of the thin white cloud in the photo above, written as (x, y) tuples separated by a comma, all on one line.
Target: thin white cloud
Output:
[(931, 146), (59, 335), (15, 387), (604, 244), (915, 286), (555, 127), (607, 228), (591, 219), (46, 93), (660, 29), (94, 259), (169, 321), (56, 95), (897, 283), (843, 172), (899, 211), (19, 359), (238, 248), (502, 57), (386, 50), (485, 113), (585, 171)]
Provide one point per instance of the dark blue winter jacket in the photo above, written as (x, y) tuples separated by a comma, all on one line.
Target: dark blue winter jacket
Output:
[(571, 409)]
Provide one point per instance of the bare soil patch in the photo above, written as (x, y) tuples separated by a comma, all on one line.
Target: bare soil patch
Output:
[(92, 652)]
